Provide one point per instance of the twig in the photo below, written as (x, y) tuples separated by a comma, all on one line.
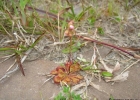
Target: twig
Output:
[(47, 80), (44, 12), (109, 45)]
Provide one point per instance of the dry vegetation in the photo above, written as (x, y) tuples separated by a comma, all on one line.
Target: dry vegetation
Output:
[(35, 29)]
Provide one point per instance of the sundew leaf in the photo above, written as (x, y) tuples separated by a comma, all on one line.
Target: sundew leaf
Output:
[(106, 74)]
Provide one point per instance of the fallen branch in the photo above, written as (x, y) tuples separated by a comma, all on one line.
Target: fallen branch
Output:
[(51, 15), (109, 45)]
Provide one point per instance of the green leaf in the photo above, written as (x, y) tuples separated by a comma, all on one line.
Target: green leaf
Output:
[(79, 16), (23, 4), (23, 47), (60, 97), (91, 20), (86, 68), (75, 97), (100, 30), (66, 89), (117, 18), (67, 50), (18, 52), (5, 49), (74, 48), (106, 74), (111, 97), (78, 44)]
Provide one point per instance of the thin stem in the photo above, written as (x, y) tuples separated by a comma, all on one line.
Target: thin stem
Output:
[(70, 53), (110, 45), (51, 15)]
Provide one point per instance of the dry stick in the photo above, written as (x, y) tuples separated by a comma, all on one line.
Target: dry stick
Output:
[(85, 38), (14, 70), (51, 15), (110, 45)]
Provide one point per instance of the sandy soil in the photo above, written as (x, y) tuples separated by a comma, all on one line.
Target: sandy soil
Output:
[(29, 87)]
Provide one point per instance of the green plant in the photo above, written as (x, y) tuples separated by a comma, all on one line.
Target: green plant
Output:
[(18, 50), (111, 97), (22, 4), (66, 94), (130, 4), (100, 30), (93, 15)]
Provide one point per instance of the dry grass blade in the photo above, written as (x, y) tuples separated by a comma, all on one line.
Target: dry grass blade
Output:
[(131, 65), (6, 30), (47, 80), (6, 58), (93, 59), (83, 84), (103, 63), (11, 66), (98, 87), (76, 87), (117, 67)]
